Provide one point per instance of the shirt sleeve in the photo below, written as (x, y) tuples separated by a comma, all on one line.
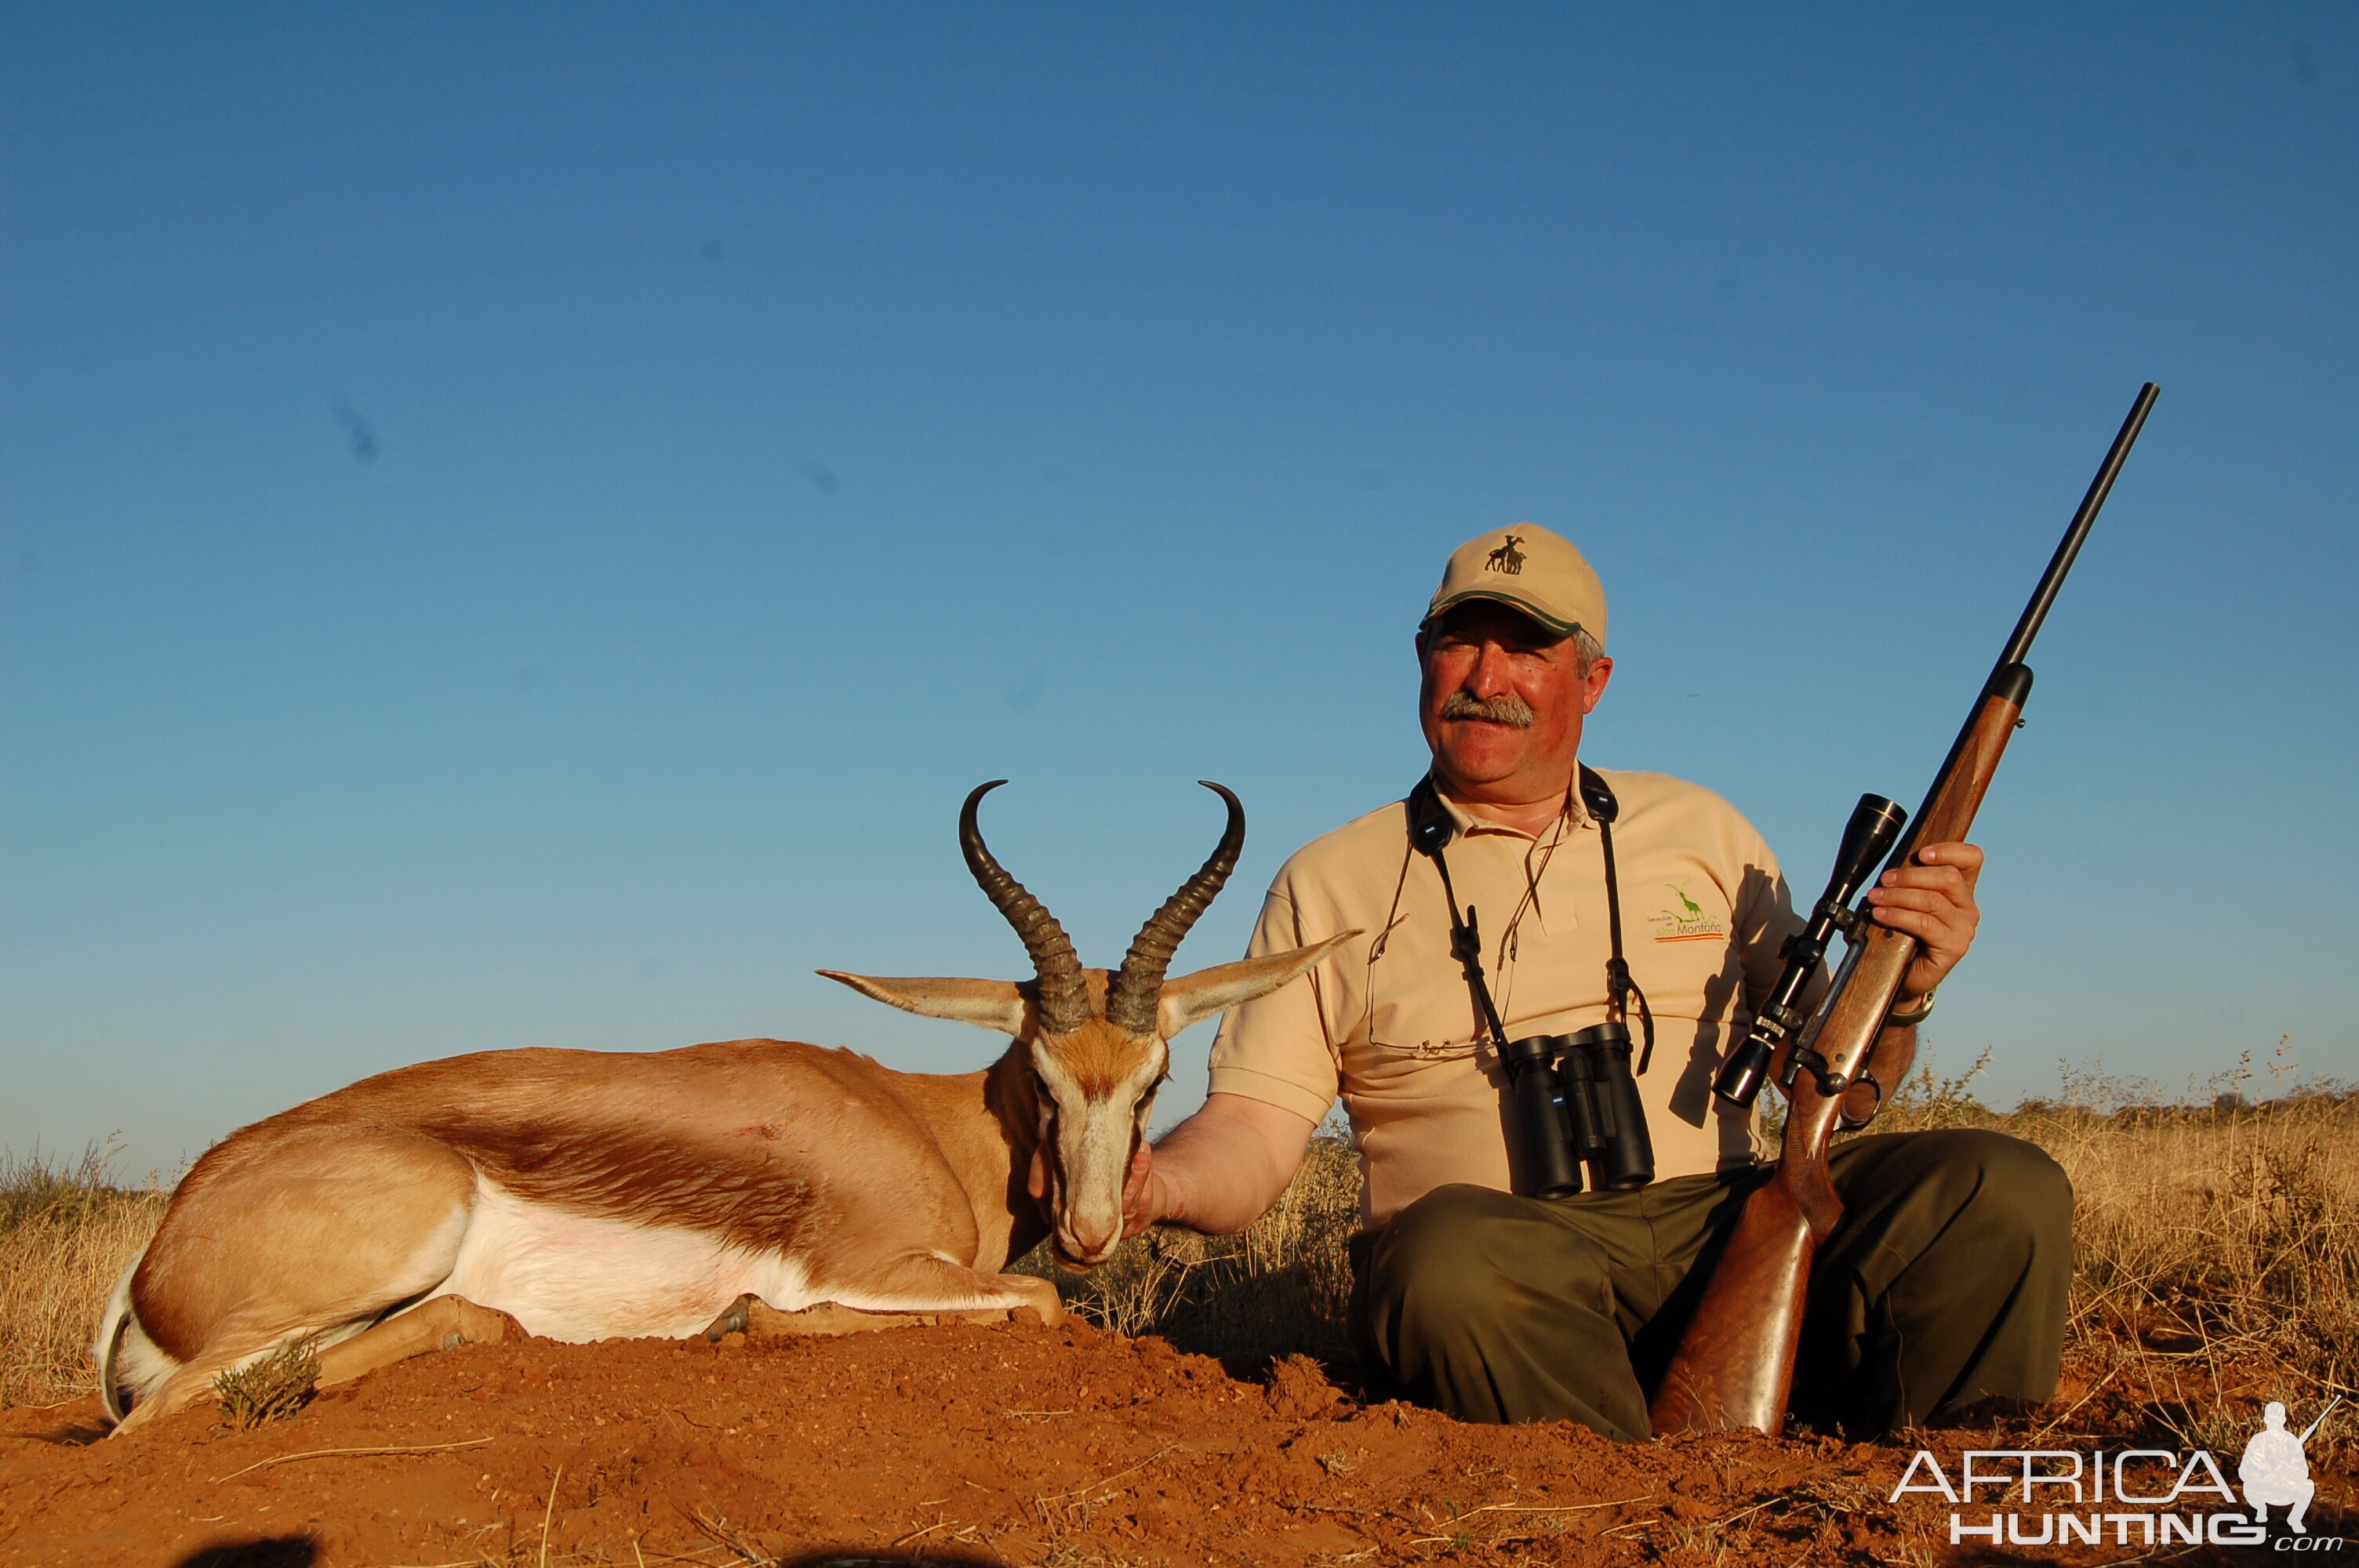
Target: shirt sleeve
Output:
[(1278, 1048)]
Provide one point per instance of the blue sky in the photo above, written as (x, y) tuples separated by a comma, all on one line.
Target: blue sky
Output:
[(518, 525)]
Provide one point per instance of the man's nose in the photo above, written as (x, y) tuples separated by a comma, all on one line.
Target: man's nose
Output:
[(1492, 675)]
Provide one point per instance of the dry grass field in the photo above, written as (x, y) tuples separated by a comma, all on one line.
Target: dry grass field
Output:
[(65, 1234), (2218, 1257), (2218, 1242)]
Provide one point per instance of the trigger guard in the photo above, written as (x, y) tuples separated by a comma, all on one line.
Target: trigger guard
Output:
[(1844, 1122)]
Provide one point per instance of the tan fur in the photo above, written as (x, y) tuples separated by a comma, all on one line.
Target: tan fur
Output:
[(894, 1193), (324, 1216), (442, 1324), (761, 1322)]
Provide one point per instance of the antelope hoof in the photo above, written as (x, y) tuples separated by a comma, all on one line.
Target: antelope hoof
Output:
[(736, 1318)]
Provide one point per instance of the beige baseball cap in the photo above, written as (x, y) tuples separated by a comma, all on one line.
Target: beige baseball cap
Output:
[(1530, 569)]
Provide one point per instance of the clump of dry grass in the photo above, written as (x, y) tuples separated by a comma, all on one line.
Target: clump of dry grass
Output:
[(1275, 1289), (272, 1389), (66, 1233), (2217, 1239)]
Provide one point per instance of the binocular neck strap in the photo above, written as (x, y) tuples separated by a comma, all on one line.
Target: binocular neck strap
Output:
[(1430, 828), (1619, 985)]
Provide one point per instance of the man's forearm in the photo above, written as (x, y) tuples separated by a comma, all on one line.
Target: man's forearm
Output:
[(1220, 1170)]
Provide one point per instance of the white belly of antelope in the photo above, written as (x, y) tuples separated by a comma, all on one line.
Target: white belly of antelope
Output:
[(579, 1278)]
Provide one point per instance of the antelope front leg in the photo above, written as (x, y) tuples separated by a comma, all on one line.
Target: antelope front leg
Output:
[(919, 1291), (439, 1325), (442, 1324)]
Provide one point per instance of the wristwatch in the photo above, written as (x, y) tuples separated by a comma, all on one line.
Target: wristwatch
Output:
[(1914, 1016)]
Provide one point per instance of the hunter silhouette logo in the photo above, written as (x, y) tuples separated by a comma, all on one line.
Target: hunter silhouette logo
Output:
[(2274, 1469), (2128, 1496), (1689, 922), (1507, 558)]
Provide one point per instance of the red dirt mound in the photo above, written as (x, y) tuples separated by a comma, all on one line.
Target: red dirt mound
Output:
[(1007, 1444)]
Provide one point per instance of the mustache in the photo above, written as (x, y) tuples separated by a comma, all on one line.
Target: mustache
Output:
[(1508, 709)]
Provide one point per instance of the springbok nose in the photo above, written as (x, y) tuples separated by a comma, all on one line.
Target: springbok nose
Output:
[(1089, 1238), (1088, 1255)]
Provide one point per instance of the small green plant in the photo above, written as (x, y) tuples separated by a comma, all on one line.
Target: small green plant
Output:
[(271, 1389)]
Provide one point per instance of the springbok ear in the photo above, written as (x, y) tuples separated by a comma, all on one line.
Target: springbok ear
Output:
[(993, 1004), (1192, 997)]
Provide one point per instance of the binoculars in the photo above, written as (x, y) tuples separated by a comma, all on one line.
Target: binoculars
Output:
[(1576, 1103)]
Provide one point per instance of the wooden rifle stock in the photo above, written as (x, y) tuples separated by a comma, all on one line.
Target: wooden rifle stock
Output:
[(1734, 1364)]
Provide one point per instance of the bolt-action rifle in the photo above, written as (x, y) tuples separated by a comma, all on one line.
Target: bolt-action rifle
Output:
[(1735, 1365)]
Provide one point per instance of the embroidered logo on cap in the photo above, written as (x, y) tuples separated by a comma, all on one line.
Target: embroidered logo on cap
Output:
[(1507, 558)]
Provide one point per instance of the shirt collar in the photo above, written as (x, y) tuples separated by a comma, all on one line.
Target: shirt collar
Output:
[(1464, 825)]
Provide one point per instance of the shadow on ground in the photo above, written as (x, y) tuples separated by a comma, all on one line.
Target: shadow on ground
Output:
[(272, 1551)]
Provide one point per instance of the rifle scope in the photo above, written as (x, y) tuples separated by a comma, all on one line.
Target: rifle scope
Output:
[(1875, 825)]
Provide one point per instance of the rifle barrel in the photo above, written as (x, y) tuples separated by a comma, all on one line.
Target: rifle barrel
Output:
[(1734, 1362), (2010, 677), (2061, 562)]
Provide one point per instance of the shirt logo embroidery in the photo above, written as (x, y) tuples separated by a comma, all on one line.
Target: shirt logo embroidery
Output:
[(1689, 922), (1507, 558)]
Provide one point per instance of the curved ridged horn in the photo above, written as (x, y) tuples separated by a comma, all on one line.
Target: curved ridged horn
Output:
[(1063, 996), (1138, 986)]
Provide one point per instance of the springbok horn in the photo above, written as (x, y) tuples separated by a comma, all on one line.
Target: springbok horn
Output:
[(1136, 986), (1063, 996)]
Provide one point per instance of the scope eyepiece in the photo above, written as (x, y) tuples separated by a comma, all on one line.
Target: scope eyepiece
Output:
[(1746, 1069)]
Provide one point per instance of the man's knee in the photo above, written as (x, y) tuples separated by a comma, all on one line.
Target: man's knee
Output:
[(1438, 1256), (2016, 1183), (1463, 1259), (2004, 1179)]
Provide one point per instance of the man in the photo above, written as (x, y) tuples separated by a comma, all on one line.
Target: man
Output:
[(2274, 1470), (1945, 1284)]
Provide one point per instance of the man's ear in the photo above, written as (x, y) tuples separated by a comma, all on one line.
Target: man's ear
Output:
[(1594, 684), (1190, 998), (992, 1004)]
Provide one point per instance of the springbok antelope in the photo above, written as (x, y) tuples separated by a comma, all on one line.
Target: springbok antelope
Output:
[(580, 1194)]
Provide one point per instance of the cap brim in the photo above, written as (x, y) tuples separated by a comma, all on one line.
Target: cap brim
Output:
[(1522, 607)]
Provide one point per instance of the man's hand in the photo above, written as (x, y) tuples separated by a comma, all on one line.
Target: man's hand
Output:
[(1218, 1170), (1931, 899), (1145, 1195)]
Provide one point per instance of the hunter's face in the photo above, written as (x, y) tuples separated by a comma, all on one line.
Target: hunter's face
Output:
[(1502, 702)]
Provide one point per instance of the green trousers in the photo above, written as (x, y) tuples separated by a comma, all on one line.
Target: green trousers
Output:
[(1945, 1283)]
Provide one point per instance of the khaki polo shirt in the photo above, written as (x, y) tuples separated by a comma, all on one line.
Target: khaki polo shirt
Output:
[(1385, 1021)]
